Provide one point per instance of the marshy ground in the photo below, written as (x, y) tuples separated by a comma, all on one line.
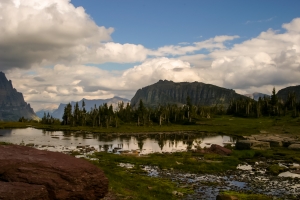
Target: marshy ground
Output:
[(196, 174)]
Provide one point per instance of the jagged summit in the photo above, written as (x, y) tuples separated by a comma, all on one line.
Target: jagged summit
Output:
[(12, 104), (89, 103), (164, 92)]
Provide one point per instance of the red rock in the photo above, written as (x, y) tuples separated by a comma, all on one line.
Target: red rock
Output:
[(61, 175), (219, 150), (24, 191)]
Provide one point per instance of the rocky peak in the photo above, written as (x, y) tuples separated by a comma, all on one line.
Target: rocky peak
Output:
[(164, 92), (12, 104)]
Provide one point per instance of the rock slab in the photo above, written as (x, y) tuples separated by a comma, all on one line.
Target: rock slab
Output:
[(294, 146), (28, 173)]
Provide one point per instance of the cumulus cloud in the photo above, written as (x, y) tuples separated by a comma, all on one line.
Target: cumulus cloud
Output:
[(47, 32), (62, 84), (36, 34), (272, 58), (210, 44)]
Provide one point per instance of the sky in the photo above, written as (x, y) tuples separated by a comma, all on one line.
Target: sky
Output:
[(57, 51)]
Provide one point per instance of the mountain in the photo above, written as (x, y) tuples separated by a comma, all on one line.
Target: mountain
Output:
[(284, 93), (256, 95), (40, 113), (164, 92), (58, 113), (12, 104)]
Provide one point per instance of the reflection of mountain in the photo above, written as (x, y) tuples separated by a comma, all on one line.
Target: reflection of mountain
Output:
[(58, 113)]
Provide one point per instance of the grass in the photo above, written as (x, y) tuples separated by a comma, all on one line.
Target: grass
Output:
[(183, 161), (224, 124), (134, 184), (4, 143)]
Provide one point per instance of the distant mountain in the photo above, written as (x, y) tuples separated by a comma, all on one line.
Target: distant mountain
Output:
[(164, 92), (58, 113), (284, 93), (40, 113), (12, 104), (256, 95)]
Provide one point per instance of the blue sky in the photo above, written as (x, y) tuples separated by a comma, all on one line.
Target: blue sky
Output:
[(157, 23), (57, 51)]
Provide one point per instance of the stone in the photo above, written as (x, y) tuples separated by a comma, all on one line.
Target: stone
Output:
[(252, 144), (226, 197), (294, 146), (219, 150), (24, 191), (38, 174), (275, 140)]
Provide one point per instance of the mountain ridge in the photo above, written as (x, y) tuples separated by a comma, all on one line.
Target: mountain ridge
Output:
[(165, 91)]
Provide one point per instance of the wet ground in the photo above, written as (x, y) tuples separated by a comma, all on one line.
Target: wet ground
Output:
[(246, 179)]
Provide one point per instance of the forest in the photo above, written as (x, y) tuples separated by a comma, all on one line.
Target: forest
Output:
[(106, 116)]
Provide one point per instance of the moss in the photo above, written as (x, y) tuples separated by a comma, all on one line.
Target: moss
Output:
[(135, 184), (276, 169), (4, 143)]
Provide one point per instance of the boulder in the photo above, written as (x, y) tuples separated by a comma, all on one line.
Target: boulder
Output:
[(252, 144), (219, 150), (275, 140), (24, 191), (294, 146), (35, 174)]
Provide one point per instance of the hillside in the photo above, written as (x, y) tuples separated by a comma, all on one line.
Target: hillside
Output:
[(164, 92), (284, 93), (12, 104)]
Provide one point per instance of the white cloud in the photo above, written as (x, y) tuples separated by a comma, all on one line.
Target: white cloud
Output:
[(272, 58), (37, 33), (260, 21), (47, 32), (210, 44), (63, 83)]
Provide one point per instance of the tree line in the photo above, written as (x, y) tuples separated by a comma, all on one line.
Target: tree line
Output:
[(106, 116), (265, 106)]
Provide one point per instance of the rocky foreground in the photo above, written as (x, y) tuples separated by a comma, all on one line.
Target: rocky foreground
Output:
[(266, 141), (28, 173)]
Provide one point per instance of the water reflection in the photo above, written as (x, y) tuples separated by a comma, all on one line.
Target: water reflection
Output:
[(144, 143)]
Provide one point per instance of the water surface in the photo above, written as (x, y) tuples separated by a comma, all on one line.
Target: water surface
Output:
[(144, 143)]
